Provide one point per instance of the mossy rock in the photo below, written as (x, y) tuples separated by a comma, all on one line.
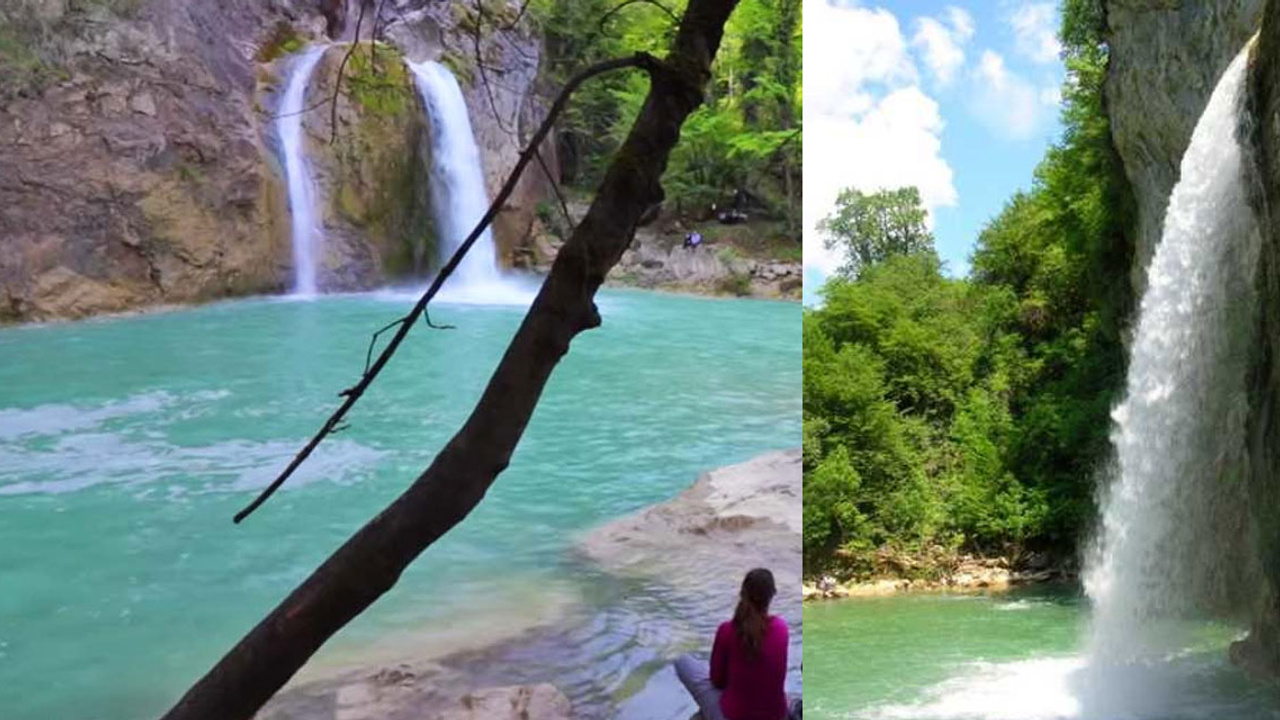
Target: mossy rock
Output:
[(376, 162), (283, 40), (377, 79)]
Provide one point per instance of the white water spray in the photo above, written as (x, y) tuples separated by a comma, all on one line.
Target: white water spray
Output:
[(1171, 538), (458, 193), (306, 234)]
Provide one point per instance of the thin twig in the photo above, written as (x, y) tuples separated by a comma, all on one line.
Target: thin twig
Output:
[(644, 61), (337, 84), (784, 143), (373, 36), (555, 186), (484, 77), (368, 354)]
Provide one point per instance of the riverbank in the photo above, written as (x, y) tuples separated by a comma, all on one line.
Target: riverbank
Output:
[(756, 258), (965, 573), (550, 666)]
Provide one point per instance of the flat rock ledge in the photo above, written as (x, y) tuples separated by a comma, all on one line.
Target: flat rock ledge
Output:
[(404, 692), (731, 518), (519, 702)]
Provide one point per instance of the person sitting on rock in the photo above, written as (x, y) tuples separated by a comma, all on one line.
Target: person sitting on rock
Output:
[(748, 672), (693, 239)]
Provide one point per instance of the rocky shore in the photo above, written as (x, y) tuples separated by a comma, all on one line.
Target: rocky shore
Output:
[(661, 262), (738, 260), (969, 574)]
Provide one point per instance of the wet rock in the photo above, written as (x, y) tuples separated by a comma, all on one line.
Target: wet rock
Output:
[(660, 261), (418, 35)]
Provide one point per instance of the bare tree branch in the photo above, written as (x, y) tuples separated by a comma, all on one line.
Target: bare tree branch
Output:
[(371, 561), (353, 393), (373, 35), (605, 18)]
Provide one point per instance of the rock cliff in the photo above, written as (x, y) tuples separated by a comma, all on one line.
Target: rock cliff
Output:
[(138, 163), (1166, 57), (1260, 651), (136, 176)]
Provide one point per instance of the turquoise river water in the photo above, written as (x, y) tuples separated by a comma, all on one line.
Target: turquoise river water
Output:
[(127, 444), (1014, 656)]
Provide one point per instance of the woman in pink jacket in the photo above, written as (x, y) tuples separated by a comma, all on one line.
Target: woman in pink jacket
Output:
[(748, 670)]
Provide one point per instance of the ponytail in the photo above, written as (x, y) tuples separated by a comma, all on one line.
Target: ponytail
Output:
[(751, 618)]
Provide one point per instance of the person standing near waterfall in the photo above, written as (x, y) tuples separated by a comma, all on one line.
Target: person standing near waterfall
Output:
[(748, 671)]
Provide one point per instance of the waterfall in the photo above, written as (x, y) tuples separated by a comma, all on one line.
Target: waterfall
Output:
[(458, 195), (1172, 535), (306, 234)]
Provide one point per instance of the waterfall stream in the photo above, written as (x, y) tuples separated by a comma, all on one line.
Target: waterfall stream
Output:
[(1172, 537), (306, 233), (458, 195)]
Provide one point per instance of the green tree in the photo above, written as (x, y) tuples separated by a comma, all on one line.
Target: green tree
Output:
[(746, 134), (870, 228)]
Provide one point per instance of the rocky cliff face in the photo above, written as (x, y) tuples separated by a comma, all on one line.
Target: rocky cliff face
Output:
[(1166, 58), (138, 163), (1260, 651), (138, 177)]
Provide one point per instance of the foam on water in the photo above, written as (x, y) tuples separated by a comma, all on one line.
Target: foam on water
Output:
[(64, 448), (1188, 685)]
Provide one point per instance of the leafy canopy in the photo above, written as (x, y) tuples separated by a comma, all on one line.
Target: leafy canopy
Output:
[(870, 228)]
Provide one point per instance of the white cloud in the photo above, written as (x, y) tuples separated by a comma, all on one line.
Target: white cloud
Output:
[(961, 21), (942, 40), (1035, 32), (857, 50), (1003, 100), (867, 122)]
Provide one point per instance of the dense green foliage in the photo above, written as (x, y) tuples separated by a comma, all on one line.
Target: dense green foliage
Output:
[(945, 413), (745, 136)]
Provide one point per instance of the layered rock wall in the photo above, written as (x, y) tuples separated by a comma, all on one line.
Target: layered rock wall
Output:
[(1260, 651), (138, 176)]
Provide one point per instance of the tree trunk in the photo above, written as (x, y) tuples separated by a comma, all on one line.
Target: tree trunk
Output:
[(370, 562)]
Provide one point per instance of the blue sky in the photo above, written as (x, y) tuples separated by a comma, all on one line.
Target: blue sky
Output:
[(960, 99)]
